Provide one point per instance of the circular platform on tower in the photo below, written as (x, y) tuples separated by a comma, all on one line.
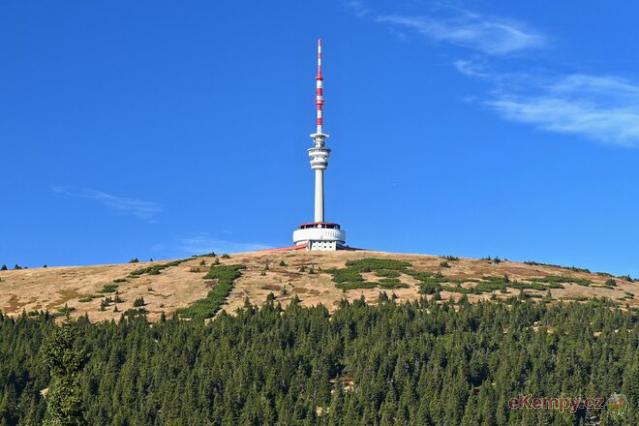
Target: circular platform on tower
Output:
[(320, 236)]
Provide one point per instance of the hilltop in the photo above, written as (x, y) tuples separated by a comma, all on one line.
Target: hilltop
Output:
[(209, 283)]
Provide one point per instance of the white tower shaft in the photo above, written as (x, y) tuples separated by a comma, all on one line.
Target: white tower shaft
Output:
[(319, 195)]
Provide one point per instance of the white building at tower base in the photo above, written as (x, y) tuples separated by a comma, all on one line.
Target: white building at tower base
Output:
[(322, 236)]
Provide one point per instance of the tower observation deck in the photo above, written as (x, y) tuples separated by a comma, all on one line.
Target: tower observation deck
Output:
[(319, 235)]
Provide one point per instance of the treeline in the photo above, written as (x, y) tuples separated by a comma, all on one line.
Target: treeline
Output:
[(418, 363)]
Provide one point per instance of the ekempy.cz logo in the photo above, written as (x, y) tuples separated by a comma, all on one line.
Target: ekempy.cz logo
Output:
[(616, 402)]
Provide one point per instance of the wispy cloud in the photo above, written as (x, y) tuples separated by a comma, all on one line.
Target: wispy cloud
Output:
[(358, 7), (203, 243), (471, 69), (601, 108), (146, 210), (488, 35)]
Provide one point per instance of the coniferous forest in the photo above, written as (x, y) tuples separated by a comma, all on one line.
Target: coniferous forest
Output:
[(418, 363)]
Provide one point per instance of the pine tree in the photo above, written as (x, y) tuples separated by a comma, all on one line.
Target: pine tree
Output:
[(64, 362)]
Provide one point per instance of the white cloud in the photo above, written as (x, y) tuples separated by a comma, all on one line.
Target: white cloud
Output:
[(358, 7), (604, 108), (601, 108), (141, 209), (203, 243), (491, 36), (471, 69)]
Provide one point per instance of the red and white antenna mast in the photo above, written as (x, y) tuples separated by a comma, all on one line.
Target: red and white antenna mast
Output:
[(319, 89)]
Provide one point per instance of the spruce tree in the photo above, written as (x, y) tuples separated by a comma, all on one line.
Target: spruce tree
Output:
[(65, 363)]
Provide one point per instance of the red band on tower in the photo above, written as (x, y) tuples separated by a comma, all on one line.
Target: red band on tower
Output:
[(319, 92)]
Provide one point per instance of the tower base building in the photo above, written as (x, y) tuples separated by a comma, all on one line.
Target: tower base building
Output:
[(323, 236)]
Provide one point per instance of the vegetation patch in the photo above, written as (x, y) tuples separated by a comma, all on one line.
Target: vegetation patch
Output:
[(390, 283), (551, 280), (387, 273), (64, 311), (534, 285), (430, 283), (490, 284), (611, 283), (569, 268), (375, 264), (207, 307), (109, 288), (155, 269), (350, 277), (450, 258), (355, 285)]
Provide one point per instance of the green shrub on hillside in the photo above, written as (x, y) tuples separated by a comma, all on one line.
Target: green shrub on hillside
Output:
[(346, 275), (429, 287), (355, 285), (387, 273), (375, 264), (490, 284), (64, 311), (350, 277), (109, 288), (552, 265), (429, 282), (390, 283), (207, 307), (551, 280), (155, 269)]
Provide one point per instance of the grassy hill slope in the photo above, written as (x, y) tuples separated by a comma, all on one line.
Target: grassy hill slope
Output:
[(104, 292)]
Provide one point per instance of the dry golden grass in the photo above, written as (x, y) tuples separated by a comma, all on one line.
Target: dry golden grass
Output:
[(179, 286)]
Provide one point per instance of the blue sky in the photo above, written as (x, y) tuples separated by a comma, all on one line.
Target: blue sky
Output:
[(471, 128)]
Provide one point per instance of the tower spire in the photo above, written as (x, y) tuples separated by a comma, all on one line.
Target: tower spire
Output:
[(319, 89)]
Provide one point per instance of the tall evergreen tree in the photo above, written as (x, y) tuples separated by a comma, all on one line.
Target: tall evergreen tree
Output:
[(65, 362)]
